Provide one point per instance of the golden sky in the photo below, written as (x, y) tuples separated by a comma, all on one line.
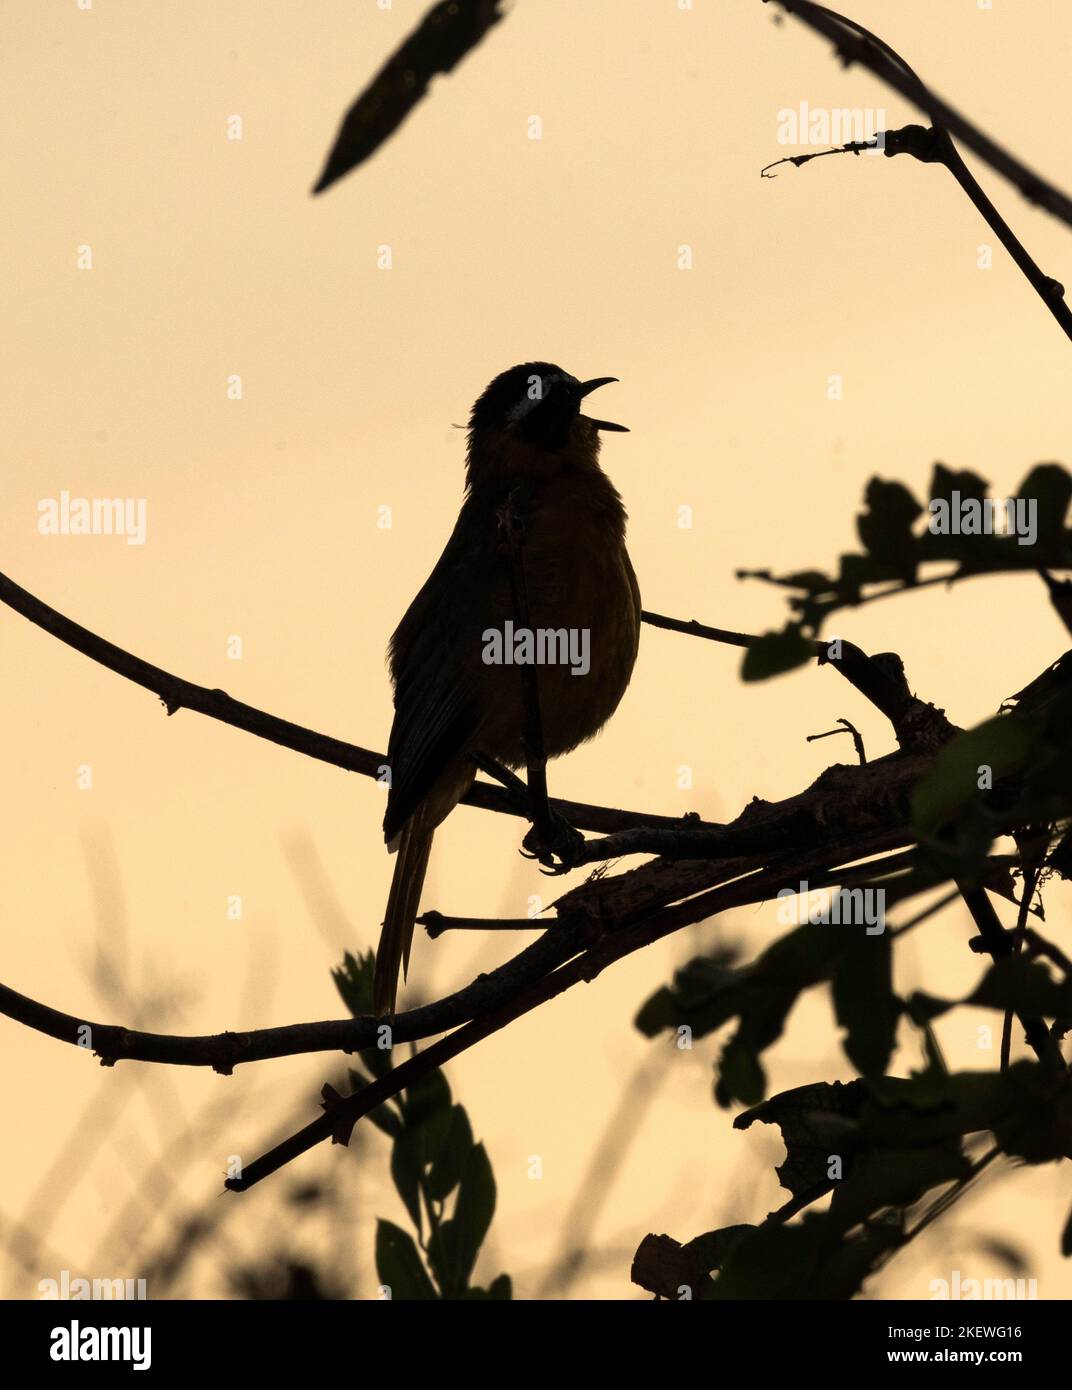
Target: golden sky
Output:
[(210, 261)]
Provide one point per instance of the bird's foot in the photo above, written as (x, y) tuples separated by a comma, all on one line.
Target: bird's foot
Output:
[(557, 845)]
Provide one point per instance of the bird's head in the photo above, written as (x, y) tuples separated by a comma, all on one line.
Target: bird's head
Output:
[(529, 418)]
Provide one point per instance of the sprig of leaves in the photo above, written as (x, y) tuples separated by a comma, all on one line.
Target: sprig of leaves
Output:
[(897, 542), (442, 1175), (880, 1146)]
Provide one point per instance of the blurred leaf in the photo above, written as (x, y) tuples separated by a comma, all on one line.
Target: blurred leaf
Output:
[(1015, 983), (894, 548), (384, 1116), (500, 1289), (805, 1261), (474, 1209), (706, 994), (740, 1074), (864, 1002), (945, 482), (775, 653), (426, 1102), (407, 1169), (1050, 487), (398, 1265), (815, 1121), (1007, 1254), (448, 1162), (1002, 744), (444, 36), (710, 1251), (353, 980), (894, 1177), (885, 527)]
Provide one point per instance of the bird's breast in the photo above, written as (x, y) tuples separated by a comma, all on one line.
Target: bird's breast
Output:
[(584, 612)]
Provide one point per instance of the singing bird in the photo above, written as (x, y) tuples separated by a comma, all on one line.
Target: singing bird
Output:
[(528, 444)]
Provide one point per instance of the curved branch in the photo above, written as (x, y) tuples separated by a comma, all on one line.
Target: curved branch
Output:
[(856, 45), (225, 1051), (178, 693)]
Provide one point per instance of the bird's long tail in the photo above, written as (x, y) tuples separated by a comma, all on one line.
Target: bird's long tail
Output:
[(402, 904)]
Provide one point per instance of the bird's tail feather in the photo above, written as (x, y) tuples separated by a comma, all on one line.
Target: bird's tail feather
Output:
[(403, 902)]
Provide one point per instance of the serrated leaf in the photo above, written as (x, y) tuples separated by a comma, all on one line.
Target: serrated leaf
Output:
[(353, 980)]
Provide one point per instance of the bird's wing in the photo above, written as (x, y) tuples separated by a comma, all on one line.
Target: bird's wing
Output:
[(435, 656)]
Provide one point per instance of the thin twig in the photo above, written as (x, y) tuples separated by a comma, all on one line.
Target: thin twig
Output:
[(854, 44)]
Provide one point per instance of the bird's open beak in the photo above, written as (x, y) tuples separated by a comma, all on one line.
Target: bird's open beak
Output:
[(587, 387)]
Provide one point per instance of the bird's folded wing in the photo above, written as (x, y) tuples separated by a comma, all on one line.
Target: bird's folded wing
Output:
[(435, 659)]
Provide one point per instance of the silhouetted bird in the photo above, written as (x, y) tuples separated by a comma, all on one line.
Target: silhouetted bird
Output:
[(529, 444)]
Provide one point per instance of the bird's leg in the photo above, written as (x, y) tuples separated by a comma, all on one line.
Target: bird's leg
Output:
[(551, 837), (554, 840)]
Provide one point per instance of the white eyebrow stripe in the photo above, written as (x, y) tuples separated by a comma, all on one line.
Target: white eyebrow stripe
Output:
[(528, 403)]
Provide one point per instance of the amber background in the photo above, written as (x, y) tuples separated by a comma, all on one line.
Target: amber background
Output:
[(211, 259)]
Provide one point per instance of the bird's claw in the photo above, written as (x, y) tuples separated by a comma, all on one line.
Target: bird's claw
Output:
[(557, 848)]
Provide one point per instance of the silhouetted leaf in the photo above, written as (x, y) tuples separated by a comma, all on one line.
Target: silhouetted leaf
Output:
[(449, 1161), (945, 482), (454, 1246), (399, 1266), (444, 36), (1000, 744), (1066, 1237), (384, 1116), (816, 1121), (775, 653), (885, 528), (407, 1168), (710, 1251), (475, 1207), (864, 1001), (426, 1102), (740, 1074), (353, 980), (1050, 487), (499, 1289)]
